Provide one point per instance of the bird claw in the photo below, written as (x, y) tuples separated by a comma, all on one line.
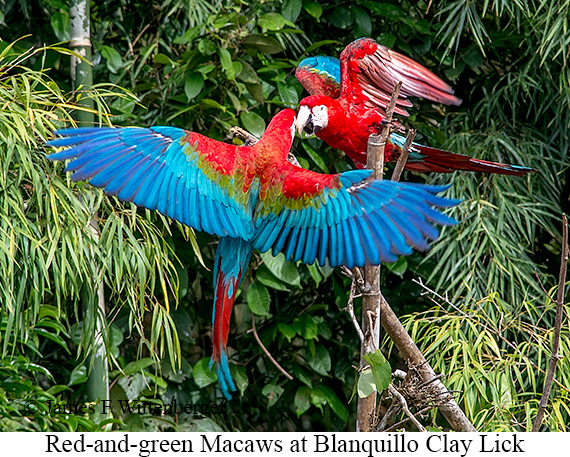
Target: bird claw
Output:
[(394, 125)]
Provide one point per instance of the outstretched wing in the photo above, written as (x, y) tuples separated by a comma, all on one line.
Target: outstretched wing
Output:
[(183, 175), (320, 75), (370, 71), (347, 219)]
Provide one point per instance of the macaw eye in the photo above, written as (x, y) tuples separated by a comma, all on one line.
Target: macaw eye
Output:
[(320, 116)]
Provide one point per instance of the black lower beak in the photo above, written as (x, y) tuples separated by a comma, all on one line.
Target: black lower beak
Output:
[(309, 128)]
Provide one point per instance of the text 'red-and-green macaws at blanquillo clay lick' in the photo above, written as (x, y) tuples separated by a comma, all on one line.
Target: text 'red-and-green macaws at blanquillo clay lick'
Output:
[(253, 198), (349, 98)]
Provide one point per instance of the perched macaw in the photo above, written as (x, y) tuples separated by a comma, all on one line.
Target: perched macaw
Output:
[(349, 98), (253, 198)]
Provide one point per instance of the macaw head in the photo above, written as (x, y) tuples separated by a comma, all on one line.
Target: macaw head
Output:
[(281, 130), (313, 114), (284, 120)]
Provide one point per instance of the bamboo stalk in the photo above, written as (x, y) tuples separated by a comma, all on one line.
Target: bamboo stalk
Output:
[(82, 78)]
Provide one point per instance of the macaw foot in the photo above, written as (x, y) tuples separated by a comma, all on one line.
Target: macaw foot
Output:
[(224, 376), (395, 126)]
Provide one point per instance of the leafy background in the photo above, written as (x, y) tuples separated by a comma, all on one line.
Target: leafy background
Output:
[(210, 65)]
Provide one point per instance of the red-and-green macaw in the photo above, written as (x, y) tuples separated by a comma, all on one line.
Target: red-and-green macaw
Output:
[(253, 198), (349, 98)]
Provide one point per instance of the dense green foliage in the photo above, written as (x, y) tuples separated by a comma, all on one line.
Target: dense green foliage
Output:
[(210, 65)]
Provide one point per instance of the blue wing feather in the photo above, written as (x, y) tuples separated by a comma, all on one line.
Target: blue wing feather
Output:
[(157, 169), (362, 222)]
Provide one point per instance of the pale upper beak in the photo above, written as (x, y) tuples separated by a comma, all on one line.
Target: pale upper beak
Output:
[(305, 121)]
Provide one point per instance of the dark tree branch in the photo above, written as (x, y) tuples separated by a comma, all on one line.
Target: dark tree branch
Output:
[(374, 302), (410, 352), (404, 155), (407, 419), (404, 405), (350, 310), (557, 328), (243, 134)]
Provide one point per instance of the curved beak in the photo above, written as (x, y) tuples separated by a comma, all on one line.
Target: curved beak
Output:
[(305, 121), (309, 127)]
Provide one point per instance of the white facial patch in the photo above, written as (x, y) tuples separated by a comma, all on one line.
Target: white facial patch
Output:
[(320, 117)]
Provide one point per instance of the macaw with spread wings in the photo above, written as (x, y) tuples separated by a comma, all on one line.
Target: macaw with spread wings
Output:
[(349, 98), (253, 198)]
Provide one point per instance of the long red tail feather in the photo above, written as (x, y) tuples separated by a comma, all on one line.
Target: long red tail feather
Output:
[(440, 161), (232, 259)]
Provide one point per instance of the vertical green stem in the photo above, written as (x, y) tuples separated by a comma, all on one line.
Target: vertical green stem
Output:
[(82, 78), (81, 70)]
